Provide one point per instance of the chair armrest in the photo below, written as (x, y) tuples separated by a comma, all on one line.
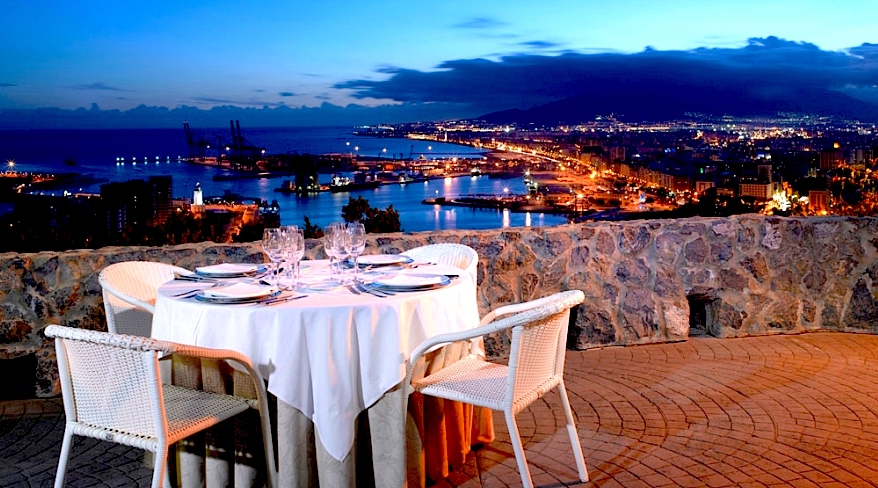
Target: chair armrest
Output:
[(221, 354), (499, 312), (129, 299), (443, 339)]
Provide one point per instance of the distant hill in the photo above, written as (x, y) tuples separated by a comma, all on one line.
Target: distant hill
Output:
[(668, 104)]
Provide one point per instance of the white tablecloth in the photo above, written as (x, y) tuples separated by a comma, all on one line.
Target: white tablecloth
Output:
[(330, 355)]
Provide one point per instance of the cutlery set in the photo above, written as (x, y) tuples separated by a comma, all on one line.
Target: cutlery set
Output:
[(359, 288)]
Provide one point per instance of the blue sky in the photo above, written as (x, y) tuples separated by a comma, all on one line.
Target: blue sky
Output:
[(295, 53)]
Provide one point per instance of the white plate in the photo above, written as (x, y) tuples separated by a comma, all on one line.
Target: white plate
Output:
[(411, 281), (266, 294), (230, 270), (239, 290), (383, 259)]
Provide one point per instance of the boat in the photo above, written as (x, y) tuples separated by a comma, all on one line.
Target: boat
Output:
[(360, 182)]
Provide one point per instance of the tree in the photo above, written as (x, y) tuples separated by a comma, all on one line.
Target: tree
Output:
[(355, 210), (311, 231), (374, 220)]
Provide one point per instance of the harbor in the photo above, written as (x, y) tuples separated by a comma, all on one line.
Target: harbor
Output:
[(96, 153)]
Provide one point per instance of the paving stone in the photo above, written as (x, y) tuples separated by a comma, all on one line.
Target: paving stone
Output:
[(784, 410)]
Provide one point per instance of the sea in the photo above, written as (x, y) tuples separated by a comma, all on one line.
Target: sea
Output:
[(128, 154)]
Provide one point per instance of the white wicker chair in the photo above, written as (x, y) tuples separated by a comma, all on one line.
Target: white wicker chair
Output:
[(536, 365), (457, 255), (129, 291), (111, 389)]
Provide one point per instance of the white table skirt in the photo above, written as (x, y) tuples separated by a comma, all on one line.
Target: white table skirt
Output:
[(330, 355)]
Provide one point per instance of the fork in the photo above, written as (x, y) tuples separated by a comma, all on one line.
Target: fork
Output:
[(374, 291)]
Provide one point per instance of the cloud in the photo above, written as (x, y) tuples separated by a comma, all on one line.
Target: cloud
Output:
[(480, 23), (5, 85), (287, 94), (771, 72), (235, 103), (97, 86), (539, 44), (214, 100)]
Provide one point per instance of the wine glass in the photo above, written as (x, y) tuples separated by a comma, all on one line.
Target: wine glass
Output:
[(357, 239), (273, 246), (296, 242), (330, 246), (342, 248), (287, 232)]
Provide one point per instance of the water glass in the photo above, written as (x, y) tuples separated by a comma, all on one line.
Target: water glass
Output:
[(342, 249), (330, 246), (273, 247), (296, 250), (357, 239)]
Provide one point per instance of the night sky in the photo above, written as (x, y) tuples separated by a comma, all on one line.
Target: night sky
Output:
[(428, 59)]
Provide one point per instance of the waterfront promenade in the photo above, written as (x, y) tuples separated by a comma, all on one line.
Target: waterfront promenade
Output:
[(769, 411)]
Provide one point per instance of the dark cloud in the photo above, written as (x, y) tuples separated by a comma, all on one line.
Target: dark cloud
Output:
[(770, 73), (235, 103), (480, 23), (287, 94), (4, 85), (539, 44), (97, 86), (214, 100)]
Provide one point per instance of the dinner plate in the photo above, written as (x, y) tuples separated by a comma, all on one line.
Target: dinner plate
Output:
[(410, 282), (383, 259), (230, 270), (237, 293), (235, 300)]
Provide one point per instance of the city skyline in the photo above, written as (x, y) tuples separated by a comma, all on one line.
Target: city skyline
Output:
[(395, 61)]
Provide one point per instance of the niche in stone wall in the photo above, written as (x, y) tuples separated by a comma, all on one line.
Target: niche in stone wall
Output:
[(703, 314), (19, 376)]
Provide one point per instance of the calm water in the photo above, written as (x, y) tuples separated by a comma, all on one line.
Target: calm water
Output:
[(95, 153)]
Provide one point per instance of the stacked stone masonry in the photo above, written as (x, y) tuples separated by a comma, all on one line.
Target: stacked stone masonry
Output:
[(645, 281)]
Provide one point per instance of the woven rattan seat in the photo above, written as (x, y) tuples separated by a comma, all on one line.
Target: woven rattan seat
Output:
[(112, 391), (535, 366), (457, 255), (129, 291)]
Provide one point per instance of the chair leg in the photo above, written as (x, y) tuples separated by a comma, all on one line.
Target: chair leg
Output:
[(515, 438), (161, 464), (65, 455), (574, 436)]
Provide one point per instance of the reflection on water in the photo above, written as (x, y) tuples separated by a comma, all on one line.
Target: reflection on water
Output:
[(96, 152)]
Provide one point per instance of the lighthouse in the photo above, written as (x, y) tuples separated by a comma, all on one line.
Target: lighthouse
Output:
[(197, 200)]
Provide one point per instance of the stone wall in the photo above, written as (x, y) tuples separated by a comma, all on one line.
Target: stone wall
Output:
[(644, 281)]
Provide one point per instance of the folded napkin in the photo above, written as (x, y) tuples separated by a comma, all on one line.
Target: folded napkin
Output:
[(228, 268), (239, 290), (409, 280)]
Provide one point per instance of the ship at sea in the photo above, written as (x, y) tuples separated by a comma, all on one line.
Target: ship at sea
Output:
[(360, 181)]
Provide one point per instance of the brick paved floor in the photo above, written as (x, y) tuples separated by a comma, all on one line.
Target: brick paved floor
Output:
[(798, 411)]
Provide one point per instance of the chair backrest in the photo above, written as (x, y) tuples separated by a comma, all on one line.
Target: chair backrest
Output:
[(457, 255), (129, 290), (538, 347), (111, 381)]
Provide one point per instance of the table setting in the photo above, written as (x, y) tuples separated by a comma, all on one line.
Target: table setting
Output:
[(330, 336)]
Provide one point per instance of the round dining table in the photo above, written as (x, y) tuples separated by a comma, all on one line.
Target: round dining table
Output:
[(328, 352)]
